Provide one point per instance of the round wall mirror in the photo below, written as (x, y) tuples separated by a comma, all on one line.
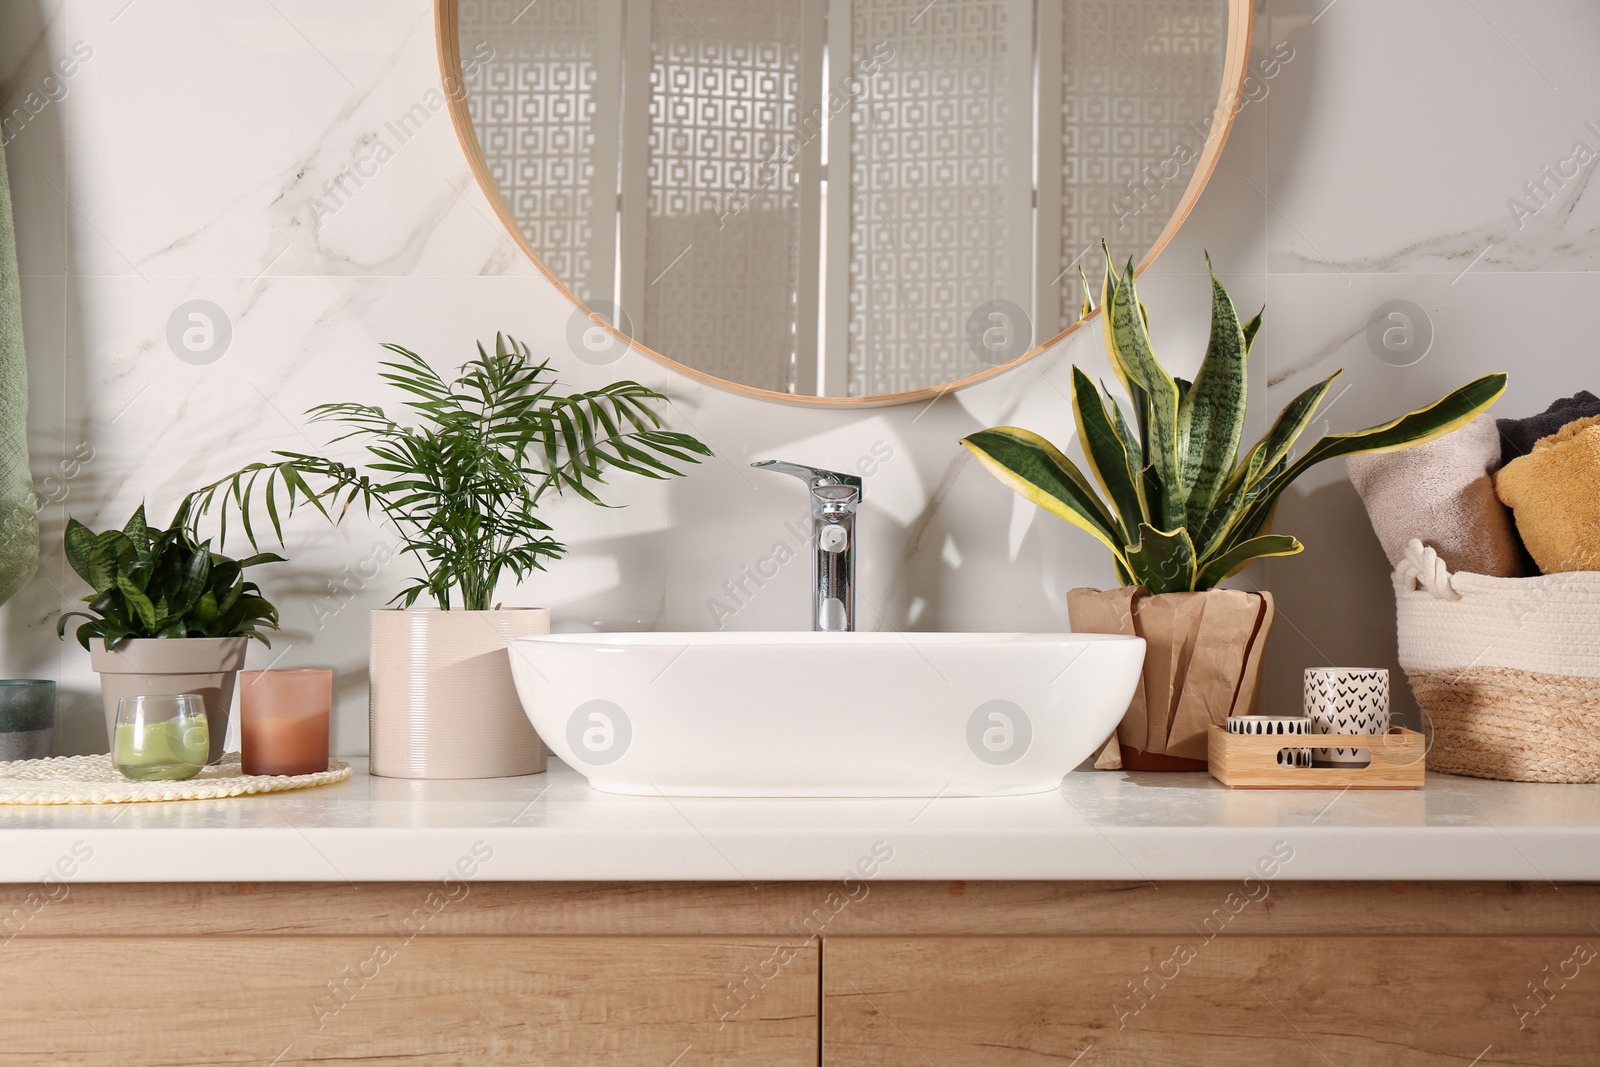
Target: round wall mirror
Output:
[(838, 201)]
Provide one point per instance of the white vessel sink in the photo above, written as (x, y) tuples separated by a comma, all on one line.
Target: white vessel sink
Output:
[(825, 714)]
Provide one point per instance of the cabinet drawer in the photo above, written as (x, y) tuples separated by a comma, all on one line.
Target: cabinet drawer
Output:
[(385, 1000), (1159, 1001)]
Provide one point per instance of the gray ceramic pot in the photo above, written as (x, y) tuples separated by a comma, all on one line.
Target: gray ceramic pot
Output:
[(169, 666), (27, 718)]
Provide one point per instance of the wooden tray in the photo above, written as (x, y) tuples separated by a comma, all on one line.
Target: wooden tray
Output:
[(1250, 761)]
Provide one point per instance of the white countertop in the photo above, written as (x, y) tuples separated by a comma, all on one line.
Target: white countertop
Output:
[(553, 827)]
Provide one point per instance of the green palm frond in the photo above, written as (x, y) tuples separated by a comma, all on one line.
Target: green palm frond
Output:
[(462, 479)]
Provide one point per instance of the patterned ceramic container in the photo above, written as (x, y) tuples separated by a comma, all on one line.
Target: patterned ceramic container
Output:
[(1346, 700), (1264, 725)]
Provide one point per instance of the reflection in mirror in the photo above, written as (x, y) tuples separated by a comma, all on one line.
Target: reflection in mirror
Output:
[(840, 198)]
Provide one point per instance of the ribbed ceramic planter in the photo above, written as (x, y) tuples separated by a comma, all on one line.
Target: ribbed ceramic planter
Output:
[(168, 666), (442, 703)]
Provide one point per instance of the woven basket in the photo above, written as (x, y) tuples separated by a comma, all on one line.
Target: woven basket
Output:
[(1507, 670)]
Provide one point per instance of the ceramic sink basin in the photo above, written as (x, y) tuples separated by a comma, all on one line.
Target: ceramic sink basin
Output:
[(825, 714)]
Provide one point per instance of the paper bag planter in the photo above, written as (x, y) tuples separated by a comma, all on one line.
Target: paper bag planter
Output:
[(1203, 659)]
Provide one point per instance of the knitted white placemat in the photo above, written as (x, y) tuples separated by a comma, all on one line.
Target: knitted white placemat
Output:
[(93, 780)]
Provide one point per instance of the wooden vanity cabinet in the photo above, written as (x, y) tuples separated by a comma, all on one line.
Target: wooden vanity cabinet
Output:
[(675, 974), (1148, 1002), (374, 1000)]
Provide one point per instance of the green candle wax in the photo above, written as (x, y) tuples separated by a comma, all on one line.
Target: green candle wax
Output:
[(161, 751)]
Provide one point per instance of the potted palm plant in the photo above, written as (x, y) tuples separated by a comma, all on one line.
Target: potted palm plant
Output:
[(1183, 510), (462, 487), (166, 614)]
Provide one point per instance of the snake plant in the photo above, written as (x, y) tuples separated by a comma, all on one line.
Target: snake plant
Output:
[(1183, 509)]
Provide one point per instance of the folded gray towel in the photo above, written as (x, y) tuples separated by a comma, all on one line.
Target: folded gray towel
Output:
[(1518, 436), (1442, 494)]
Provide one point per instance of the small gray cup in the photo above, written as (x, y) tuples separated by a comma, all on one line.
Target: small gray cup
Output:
[(27, 718)]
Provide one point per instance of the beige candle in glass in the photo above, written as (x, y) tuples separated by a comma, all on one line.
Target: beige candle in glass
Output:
[(283, 716)]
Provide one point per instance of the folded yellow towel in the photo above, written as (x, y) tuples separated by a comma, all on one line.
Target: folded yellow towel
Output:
[(1555, 492)]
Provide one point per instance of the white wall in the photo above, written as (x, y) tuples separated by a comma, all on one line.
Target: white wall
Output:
[(184, 157)]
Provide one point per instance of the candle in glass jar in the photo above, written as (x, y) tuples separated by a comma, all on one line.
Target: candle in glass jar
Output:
[(283, 719)]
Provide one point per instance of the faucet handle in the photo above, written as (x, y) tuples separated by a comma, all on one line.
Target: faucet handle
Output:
[(814, 477)]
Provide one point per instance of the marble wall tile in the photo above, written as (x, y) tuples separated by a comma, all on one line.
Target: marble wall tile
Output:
[(271, 138), (1398, 141)]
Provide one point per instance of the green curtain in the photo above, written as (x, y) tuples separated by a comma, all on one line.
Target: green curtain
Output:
[(19, 512)]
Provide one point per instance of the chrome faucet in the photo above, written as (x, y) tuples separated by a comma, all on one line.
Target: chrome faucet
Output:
[(834, 500)]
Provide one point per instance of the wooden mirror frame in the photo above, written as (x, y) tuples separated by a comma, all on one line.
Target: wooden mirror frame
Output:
[(1241, 23)]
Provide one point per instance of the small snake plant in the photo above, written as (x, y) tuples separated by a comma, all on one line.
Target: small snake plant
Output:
[(1183, 510)]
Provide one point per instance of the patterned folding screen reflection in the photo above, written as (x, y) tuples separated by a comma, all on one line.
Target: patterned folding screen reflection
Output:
[(931, 167), (722, 244), (1129, 140), (934, 207), (934, 212), (533, 107)]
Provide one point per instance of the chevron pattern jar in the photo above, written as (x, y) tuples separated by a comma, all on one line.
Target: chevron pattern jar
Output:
[(1346, 700)]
